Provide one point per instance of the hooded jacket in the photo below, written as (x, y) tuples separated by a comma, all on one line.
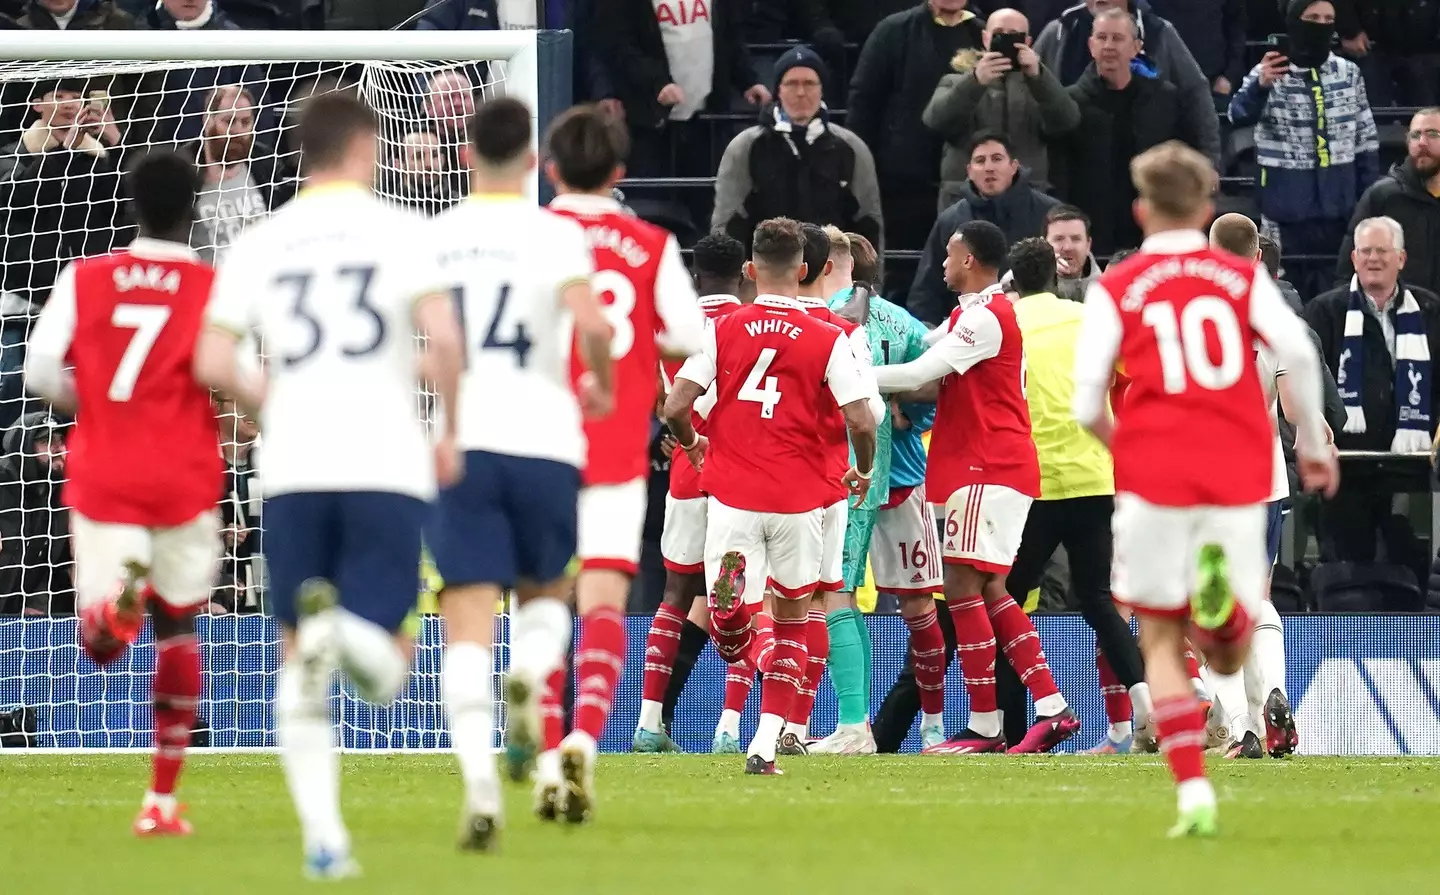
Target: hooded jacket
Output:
[(36, 565), (1402, 195)]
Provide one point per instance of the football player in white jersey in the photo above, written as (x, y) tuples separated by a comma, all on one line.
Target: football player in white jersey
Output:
[(333, 286), (519, 274)]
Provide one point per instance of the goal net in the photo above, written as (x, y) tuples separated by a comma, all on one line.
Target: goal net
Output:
[(75, 108)]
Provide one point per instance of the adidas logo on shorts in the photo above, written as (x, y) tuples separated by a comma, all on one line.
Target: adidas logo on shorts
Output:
[(916, 578)]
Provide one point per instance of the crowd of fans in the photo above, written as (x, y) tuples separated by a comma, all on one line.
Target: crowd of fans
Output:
[(896, 119)]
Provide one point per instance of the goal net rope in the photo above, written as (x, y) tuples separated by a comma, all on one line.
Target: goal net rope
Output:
[(68, 129)]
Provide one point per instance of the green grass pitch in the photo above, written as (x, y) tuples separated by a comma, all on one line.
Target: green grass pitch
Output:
[(695, 824)]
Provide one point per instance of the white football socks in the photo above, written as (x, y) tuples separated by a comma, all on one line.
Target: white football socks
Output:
[(936, 720), (1140, 705), (766, 733), (1268, 648), (539, 638), (307, 752), (729, 723), (651, 715), (1049, 706), (800, 730), (987, 724), (1195, 793), (1120, 730), (470, 708), (369, 656), (1229, 691)]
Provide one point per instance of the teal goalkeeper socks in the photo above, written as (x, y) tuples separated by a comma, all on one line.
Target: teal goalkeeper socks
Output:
[(848, 667), (864, 631)]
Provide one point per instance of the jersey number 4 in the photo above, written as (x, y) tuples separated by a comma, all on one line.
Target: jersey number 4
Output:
[(147, 321), (768, 396), (1184, 353)]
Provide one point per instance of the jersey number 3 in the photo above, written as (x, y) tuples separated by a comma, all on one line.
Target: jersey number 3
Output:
[(1184, 354), (147, 321), (768, 396)]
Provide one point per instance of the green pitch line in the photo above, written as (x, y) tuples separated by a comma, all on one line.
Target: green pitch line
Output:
[(694, 824)]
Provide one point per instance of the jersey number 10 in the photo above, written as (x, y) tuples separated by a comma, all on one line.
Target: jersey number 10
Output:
[(1184, 355)]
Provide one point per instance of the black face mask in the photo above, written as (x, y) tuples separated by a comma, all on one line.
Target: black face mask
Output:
[(1310, 43)]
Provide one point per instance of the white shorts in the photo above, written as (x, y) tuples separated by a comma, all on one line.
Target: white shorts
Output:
[(1156, 553), (182, 560), (832, 546), (905, 550), (611, 523), (682, 543), (781, 549), (983, 525)]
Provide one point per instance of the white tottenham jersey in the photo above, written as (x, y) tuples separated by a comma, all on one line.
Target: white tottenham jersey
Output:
[(507, 261), (1270, 372), (328, 283)]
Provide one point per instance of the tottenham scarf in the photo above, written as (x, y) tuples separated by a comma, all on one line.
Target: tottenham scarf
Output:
[(1412, 372)]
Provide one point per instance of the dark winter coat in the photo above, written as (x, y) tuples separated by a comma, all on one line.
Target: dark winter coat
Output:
[(1084, 168), (822, 175), (1401, 27), (1402, 195), (36, 565), (898, 71), (459, 15), (628, 36), (1326, 316), (90, 15), (1029, 111), (1019, 212), (1213, 31)]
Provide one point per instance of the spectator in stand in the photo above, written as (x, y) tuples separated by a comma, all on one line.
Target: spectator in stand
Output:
[(998, 191), (417, 177), (1397, 43), (1315, 139), (1409, 195), (239, 527), (1123, 112), (899, 68), (76, 15), (775, 21), (36, 565), (1019, 98), (1214, 33), (459, 15), (59, 188), (1067, 229), (1270, 257), (797, 164), (1379, 336), (670, 59), (1160, 53), (243, 177), (186, 15)]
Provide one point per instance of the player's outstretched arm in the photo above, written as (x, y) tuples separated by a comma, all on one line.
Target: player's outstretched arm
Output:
[(1096, 349), (974, 337), (45, 373), (693, 379)]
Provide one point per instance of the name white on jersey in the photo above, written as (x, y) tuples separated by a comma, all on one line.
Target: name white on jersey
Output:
[(507, 262), (328, 283)]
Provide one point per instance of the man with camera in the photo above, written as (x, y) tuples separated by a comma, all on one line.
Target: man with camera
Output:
[(1006, 88)]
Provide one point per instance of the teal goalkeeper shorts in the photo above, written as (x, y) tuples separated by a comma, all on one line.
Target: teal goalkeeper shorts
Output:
[(858, 530)]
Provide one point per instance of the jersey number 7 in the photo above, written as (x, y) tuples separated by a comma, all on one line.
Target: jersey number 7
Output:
[(147, 321)]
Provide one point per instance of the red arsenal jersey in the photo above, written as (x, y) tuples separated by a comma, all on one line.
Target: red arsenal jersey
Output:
[(981, 434), (684, 477), (1194, 428), (146, 447), (646, 294), (833, 432), (777, 373)]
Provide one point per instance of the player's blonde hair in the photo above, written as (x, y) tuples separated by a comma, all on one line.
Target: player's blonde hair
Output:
[(1236, 234), (839, 242), (1174, 180)]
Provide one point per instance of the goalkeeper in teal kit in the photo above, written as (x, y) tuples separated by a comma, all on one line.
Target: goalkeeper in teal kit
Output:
[(893, 527)]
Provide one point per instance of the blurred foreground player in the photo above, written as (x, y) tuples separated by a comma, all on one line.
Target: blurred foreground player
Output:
[(520, 275), (145, 533), (1190, 545), (647, 297), (677, 635), (337, 285), (776, 371)]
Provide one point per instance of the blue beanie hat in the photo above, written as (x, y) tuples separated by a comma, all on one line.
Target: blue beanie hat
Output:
[(800, 57)]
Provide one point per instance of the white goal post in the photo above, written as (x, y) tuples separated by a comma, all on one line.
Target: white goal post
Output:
[(75, 107)]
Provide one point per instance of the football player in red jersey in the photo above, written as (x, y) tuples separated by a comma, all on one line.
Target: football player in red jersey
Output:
[(675, 642), (1184, 318), (651, 305), (984, 470), (776, 372), (145, 533)]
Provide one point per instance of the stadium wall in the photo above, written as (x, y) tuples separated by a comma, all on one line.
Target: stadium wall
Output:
[(1361, 685)]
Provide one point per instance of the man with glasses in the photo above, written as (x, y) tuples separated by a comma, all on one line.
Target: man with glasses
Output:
[(796, 163), (1408, 194)]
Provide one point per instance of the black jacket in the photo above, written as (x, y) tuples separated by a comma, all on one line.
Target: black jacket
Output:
[(821, 175), (92, 15), (1083, 165), (1326, 315), (628, 36), (36, 565), (1019, 212), (1399, 26), (899, 68), (1403, 196), (1214, 32)]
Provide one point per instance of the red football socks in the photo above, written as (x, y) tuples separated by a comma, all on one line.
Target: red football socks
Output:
[(732, 631), (1192, 665), (1021, 644), (95, 637), (787, 667), (927, 660), (975, 641), (762, 648), (552, 713), (661, 646), (817, 649), (1118, 709), (1237, 627), (1180, 721), (175, 693), (598, 662), (739, 678)]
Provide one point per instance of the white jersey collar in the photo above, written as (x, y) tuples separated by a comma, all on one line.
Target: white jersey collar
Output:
[(1175, 242), (161, 250), (718, 300), (778, 301), (581, 203)]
